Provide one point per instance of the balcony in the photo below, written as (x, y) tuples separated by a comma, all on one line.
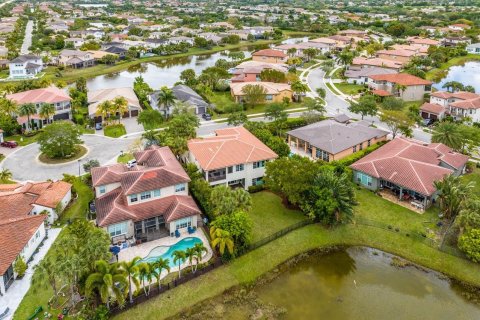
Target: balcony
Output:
[(217, 175)]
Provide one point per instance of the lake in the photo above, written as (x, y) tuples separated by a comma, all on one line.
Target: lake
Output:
[(162, 73), (357, 283), (468, 74)]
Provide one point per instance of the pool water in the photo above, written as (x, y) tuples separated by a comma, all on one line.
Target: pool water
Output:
[(166, 252)]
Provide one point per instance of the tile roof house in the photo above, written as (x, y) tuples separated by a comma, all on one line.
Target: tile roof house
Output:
[(233, 156), (402, 85), (75, 58), (376, 62), (96, 97), (274, 92), (270, 56), (331, 140), (359, 75), (458, 104), (25, 66), (146, 200), (401, 55), (408, 167), (184, 94)]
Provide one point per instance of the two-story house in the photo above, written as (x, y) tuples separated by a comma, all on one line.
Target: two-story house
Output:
[(145, 199), (75, 58), (234, 157), (459, 105), (270, 56), (401, 85), (25, 66)]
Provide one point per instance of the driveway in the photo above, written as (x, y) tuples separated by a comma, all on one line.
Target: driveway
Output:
[(24, 165), (131, 125), (27, 41)]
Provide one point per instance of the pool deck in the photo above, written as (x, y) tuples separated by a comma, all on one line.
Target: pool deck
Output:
[(144, 249)]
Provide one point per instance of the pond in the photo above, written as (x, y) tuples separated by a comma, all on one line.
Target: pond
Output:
[(468, 74), (161, 73), (357, 283)]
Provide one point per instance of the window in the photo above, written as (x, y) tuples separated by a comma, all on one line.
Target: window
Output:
[(133, 198), (364, 179), (323, 155), (117, 229), (361, 146), (180, 187), (269, 97), (354, 148), (230, 169), (239, 167), (183, 223), (369, 142), (102, 189), (259, 164), (156, 193), (257, 181), (37, 235), (145, 195)]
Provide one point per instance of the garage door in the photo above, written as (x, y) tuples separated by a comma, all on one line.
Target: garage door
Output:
[(134, 113), (424, 115), (61, 116), (200, 110)]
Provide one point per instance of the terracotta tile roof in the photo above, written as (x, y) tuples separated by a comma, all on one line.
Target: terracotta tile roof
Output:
[(401, 78), (14, 236), (324, 40), (381, 93), (419, 40), (397, 52), (231, 146), (9, 187), (432, 108), (45, 95), (441, 94), (467, 104), (270, 53), (49, 193), (270, 87), (14, 206), (463, 95), (410, 164), (377, 62)]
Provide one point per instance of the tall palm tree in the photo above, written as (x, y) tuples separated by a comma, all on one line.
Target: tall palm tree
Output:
[(145, 274), (161, 264), (190, 254), (453, 194), (120, 106), (110, 280), (8, 106), (449, 134), (46, 111), (5, 175), (166, 98), (46, 272), (221, 239), (199, 250), (179, 256), (27, 110), (131, 268), (105, 108)]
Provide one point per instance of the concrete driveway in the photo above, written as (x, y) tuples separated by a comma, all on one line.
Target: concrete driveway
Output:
[(24, 165), (131, 125)]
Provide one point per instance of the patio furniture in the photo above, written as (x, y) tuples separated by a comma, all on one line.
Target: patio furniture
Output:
[(191, 230), (4, 314), (177, 234)]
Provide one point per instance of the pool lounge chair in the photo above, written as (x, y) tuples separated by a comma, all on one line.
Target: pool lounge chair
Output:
[(177, 234), (191, 230)]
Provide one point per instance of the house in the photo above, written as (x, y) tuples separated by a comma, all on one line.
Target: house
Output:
[(454, 41), (424, 42), (75, 58), (473, 48), (249, 71), (408, 168), (270, 56), (96, 97), (74, 42), (458, 27), (403, 85), (119, 51), (25, 66), (331, 140), (458, 104), (375, 63), (179, 39), (402, 56), (353, 33), (359, 75), (51, 95), (144, 201), (233, 157), (184, 94), (330, 43), (274, 92)]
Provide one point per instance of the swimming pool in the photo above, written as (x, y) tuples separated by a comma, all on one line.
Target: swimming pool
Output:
[(166, 252)]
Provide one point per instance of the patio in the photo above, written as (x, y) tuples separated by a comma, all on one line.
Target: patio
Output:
[(411, 204)]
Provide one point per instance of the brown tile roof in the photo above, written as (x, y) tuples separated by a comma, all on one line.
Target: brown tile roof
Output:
[(410, 164), (467, 104), (14, 206), (432, 108), (381, 93), (401, 78), (231, 146), (270, 53), (14, 235), (46, 95), (419, 40), (397, 52), (270, 87), (49, 193), (463, 95), (377, 62)]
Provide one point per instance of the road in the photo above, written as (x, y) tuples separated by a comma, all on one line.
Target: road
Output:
[(27, 41)]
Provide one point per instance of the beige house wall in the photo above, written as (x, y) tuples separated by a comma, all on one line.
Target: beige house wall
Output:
[(269, 59)]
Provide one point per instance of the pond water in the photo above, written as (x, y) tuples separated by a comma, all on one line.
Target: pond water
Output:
[(359, 283), (295, 40), (468, 74), (161, 73)]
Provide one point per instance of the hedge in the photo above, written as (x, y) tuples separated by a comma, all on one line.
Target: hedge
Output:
[(360, 154)]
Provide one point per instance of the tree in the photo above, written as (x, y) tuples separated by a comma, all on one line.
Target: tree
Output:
[(469, 243), (221, 239), (345, 57), (47, 110), (46, 273), (20, 266), (449, 134), (238, 225), (330, 199), (225, 200), (310, 53), (315, 105), (92, 163), (299, 88), (27, 110), (199, 249), (321, 92), (452, 194), (272, 75), (237, 118), (391, 103), (291, 52), (150, 119), (276, 113), (105, 109), (366, 106), (453, 86), (179, 256), (109, 280), (469, 216), (145, 274), (400, 88), (59, 139), (166, 98), (236, 55), (254, 94), (397, 122), (5, 175), (188, 77), (131, 269), (120, 106), (159, 265), (327, 66), (8, 107)]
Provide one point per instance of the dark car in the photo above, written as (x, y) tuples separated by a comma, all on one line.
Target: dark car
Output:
[(207, 116), (9, 144), (98, 126)]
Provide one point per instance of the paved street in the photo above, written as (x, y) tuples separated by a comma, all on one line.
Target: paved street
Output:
[(27, 41), (24, 165)]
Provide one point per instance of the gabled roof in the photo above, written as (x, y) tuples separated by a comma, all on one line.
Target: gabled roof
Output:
[(230, 146), (432, 108), (411, 164), (467, 104), (401, 79), (44, 95), (98, 96), (270, 53), (25, 58), (270, 87), (377, 62), (463, 95)]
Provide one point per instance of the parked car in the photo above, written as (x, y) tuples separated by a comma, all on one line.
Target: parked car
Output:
[(98, 126), (207, 116), (9, 144)]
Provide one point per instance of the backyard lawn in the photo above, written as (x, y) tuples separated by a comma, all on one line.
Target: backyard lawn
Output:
[(114, 130), (474, 177), (350, 89), (125, 158), (79, 207)]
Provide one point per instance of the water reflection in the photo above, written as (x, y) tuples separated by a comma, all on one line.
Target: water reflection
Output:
[(468, 74)]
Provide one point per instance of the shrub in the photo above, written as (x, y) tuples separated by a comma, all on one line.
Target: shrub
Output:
[(469, 243), (20, 266), (257, 188), (360, 154)]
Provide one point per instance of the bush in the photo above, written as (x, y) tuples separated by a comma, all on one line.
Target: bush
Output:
[(20, 267), (78, 119), (294, 123), (360, 154), (257, 188), (469, 243)]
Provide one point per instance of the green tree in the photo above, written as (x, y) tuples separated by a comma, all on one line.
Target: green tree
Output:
[(5, 175), (46, 273), (449, 134), (276, 113), (310, 53), (254, 94), (366, 106), (120, 106), (452, 195), (239, 225), (27, 110), (469, 243), (397, 122), (8, 107), (59, 139), (20, 266), (161, 264), (225, 200), (150, 119), (345, 57), (179, 256), (166, 98), (222, 240), (469, 216), (322, 93), (237, 118), (199, 249), (92, 163), (188, 77), (109, 280), (391, 103), (315, 105), (146, 275), (299, 89), (131, 270), (105, 109), (272, 75), (46, 111)]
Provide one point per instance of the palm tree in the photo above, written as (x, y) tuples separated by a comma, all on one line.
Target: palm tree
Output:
[(298, 87), (105, 108), (221, 239), (46, 272), (5, 175), (145, 273), (110, 280), (190, 254), (131, 268), (199, 250), (166, 98), (8, 106), (159, 265), (179, 256), (400, 88), (46, 111), (452, 194), (449, 134), (120, 106), (27, 110)]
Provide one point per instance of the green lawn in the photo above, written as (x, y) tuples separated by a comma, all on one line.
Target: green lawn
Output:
[(22, 140), (269, 215), (79, 207), (114, 130), (125, 158), (350, 89), (475, 177)]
